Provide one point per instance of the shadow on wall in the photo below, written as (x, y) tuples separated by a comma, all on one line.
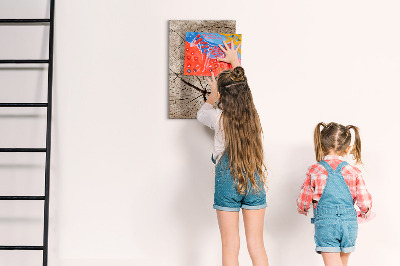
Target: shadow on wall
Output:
[(193, 203), (284, 226)]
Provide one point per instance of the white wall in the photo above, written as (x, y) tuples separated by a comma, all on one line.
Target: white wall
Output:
[(131, 187)]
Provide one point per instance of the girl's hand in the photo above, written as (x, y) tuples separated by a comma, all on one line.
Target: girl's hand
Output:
[(301, 211), (231, 54), (214, 89)]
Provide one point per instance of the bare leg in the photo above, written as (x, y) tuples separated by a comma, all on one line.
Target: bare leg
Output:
[(345, 258), (332, 259), (229, 228), (254, 227)]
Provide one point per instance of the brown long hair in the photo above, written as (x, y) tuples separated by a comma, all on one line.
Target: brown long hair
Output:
[(242, 129), (336, 137)]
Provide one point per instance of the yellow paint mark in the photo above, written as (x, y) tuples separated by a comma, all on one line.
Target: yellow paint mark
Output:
[(237, 39)]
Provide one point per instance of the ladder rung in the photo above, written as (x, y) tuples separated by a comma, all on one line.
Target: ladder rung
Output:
[(21, 247), (22, 197), (23, 104), (24, 61), (34, 20), (22, 149)]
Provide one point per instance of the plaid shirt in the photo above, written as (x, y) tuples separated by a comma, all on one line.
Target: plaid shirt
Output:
[(314, 185)]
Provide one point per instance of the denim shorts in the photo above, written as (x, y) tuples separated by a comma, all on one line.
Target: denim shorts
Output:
[(335, 233), (226, 195)]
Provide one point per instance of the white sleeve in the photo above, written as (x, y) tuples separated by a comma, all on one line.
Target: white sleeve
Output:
[(208, 115)]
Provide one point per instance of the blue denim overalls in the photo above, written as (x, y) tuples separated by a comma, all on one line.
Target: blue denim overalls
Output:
[(335, 217), (226, 196)]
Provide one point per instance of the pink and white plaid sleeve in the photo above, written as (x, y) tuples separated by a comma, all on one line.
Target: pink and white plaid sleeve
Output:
[(305, 197), (364, 198)]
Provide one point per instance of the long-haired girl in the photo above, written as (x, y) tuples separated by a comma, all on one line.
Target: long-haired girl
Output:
[(238, 154), (333, 186)]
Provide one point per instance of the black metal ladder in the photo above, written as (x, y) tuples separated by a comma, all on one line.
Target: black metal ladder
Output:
[(47, 105)]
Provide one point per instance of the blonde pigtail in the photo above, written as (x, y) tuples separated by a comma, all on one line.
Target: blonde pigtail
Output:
[(356, 151), (319, 153)]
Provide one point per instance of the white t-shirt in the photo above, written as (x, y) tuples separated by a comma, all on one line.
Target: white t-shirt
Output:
[(209, 116)]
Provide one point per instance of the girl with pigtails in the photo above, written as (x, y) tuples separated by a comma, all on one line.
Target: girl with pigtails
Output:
[(333, 186), (238, 155)]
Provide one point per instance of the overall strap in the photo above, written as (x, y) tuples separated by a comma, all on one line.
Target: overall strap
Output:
[(326, 166), (212, 159), (340, 166), (336, 197)]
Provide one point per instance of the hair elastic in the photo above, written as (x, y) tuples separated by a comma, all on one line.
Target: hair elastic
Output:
[(234, 84)]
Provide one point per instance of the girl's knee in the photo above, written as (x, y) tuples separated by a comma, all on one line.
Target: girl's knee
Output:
[(231, 244), (254, 245)]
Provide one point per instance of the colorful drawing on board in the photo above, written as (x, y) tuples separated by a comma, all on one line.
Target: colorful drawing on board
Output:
[(202, 51)]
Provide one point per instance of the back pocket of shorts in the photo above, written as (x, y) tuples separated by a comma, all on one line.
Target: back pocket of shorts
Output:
[(326, 232), (352, 227)]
